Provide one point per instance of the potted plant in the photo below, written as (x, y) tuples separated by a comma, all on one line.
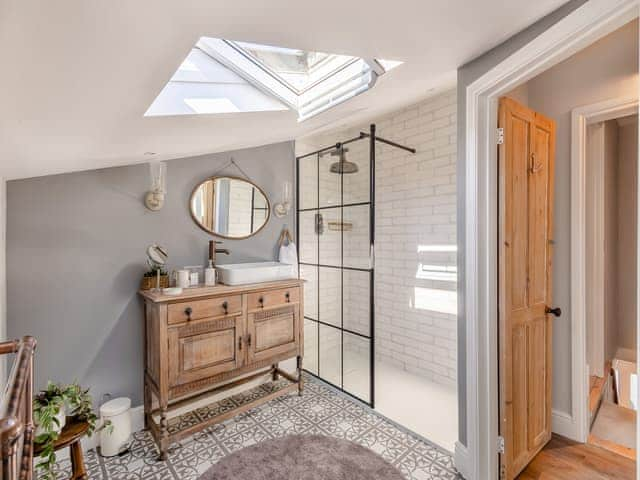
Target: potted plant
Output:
[(50, 408)]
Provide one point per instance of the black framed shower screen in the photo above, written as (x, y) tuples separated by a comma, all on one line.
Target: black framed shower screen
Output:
[(335, 237)]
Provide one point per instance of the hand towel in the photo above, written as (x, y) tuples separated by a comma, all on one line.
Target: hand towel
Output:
[(289, 255)]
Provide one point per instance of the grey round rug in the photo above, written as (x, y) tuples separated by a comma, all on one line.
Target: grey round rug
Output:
[(303, 457)]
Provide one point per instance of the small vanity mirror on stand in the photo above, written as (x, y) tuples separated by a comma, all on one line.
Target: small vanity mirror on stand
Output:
[(156, 257), (156, 277), (229, 207)]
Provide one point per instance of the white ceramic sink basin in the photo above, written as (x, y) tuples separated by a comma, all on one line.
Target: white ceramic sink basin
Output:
[(243, 273)]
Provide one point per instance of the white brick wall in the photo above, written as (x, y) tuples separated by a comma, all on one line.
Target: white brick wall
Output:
[(415, 289)]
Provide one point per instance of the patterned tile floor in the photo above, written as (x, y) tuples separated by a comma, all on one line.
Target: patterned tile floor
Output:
[(321, 410)]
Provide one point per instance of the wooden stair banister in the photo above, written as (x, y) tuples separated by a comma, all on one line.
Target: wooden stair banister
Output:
[(16, 412)]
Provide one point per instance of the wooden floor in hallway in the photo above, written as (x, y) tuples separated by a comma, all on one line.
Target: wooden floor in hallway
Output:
[(563, 459)]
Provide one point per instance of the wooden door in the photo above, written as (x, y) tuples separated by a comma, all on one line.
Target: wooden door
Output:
[(204, 348), (526, 166), (273, 332)]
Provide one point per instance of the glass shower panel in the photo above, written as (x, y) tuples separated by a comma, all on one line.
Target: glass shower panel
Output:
[(308, 182), (330, 237), (330, 358), (330, 191), (357, 366), (356, 186), (311, 346), (307, 237), (356, 244), (310, 274), (356, 300), (334, 242), (330, 304)]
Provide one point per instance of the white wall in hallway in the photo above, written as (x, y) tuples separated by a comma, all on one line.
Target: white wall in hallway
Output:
[(627, 200), (415, 245)]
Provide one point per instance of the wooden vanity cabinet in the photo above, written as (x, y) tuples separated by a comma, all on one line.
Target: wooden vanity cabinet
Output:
[(212, 338)]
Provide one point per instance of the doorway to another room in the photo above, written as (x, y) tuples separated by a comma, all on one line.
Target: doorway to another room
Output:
[(567, 260), (611, 282)]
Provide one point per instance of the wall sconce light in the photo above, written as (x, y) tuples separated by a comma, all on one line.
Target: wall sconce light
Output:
[(154, 199), (281, 209)]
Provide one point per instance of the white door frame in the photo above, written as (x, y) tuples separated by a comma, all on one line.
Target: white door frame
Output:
[(478, 460), (580, 118)]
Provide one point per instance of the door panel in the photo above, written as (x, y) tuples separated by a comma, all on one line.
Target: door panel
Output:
[(272, 332), (205, 348), (525, 228)]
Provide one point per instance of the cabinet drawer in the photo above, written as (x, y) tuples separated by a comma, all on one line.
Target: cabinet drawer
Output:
[(274, 298), (197, 309)]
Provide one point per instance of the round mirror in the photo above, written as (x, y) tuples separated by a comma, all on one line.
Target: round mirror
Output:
[(229, 207)]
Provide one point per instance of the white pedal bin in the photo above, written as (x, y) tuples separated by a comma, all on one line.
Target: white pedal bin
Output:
[(115, 439)]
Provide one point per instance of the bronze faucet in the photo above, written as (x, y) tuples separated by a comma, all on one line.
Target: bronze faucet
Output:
[(213, 251)]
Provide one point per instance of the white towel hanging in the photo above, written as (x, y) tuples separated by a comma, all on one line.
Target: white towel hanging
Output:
[(288, 253)]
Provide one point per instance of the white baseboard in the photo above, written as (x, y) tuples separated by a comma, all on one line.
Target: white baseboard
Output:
[(137, 424), (461, 461), (563, 424)]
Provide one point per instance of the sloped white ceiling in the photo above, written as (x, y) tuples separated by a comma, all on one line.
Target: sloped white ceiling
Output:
[(77, 76)]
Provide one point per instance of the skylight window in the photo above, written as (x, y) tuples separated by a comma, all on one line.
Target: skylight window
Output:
[(299, 69), (223, 76)]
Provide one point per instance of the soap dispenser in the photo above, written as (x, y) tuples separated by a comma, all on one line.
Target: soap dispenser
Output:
[(210, 275)]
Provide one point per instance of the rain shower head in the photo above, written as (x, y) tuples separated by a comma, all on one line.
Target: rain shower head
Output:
[(342, 166)]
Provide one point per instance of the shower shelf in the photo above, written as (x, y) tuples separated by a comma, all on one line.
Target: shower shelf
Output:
[(340, 226)]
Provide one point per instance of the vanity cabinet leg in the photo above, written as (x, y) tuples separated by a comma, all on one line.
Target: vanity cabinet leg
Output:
[(274, 372), (147, 404), (299, 371), (164, 433)]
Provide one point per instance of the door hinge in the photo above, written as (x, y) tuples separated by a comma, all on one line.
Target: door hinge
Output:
[(503, 472), (500, 136), (501, 444)]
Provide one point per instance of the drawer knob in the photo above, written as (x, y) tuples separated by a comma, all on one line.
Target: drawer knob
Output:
[(288, 297), (225, 305), (261, 301), (188, 311)]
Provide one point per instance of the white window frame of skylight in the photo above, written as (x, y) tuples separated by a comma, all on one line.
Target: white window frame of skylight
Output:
[(353, 78), (357, 78), (230, 57), (324, 69)]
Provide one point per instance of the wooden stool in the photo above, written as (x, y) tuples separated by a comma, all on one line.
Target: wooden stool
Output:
[(70, 436)]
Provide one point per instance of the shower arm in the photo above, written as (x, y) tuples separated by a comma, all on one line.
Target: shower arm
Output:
[(388, 142)]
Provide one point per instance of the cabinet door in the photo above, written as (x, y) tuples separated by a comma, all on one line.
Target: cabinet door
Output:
[(273, 332), (205, 348)]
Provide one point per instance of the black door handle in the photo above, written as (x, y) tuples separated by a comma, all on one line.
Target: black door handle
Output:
[(554, 311)]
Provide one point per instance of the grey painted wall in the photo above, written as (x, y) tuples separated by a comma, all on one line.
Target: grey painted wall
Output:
[(467, 74), (76, 251)]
